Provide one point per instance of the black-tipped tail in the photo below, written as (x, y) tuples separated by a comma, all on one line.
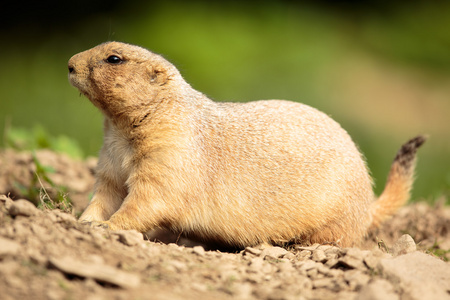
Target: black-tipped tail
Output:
[(399, 182)]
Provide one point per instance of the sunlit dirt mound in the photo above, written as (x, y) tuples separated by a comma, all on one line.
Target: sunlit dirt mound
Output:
[(47, 254)]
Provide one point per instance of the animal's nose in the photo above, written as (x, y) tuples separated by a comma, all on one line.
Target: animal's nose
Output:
[(71, 69)]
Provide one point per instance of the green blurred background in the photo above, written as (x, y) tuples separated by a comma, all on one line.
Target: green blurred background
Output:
[(380, 68)]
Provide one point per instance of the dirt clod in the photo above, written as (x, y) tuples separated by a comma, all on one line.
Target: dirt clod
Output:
[(129, 237), (22, 207)]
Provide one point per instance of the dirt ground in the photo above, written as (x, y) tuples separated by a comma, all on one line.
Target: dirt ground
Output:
[(46, 254)]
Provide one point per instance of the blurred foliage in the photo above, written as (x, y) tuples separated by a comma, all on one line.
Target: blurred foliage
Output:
[(39, 138), (233, 51)]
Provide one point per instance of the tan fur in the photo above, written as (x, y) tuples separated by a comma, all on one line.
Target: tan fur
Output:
[(234, 174)]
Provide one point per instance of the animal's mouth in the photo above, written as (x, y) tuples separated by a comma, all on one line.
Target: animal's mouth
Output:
[(75, 81)]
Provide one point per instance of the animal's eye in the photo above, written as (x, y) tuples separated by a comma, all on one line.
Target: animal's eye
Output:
[(114, 59)]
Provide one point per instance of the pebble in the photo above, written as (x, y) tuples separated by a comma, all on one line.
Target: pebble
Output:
[(129, 237), (273, 252), (308, 265), (253, 251), (319, 256), (99, 272), (332, 262), (199, 250), (304, 255), (353, 259), (309, 248), (289, 256), (8, 247), (405, 244)]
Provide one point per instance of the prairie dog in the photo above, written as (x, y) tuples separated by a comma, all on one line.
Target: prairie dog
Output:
[(233, 174)]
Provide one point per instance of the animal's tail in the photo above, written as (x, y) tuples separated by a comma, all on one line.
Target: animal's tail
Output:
[(398, 186)]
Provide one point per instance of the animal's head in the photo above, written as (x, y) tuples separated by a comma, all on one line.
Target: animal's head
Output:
[(120, 78)]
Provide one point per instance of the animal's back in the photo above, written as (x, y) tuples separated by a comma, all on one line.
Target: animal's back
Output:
[(281, 169)]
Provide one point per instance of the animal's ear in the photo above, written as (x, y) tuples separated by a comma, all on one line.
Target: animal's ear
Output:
[(158, 75)]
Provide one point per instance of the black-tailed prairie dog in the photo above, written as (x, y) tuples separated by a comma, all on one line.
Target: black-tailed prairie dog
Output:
[(233, 174)]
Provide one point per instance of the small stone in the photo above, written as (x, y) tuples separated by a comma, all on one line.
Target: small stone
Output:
[(99, 272), (129, 237), (353, 259), (308, 265), (323, 269), (334, 273), (333, 252), (289, 256), (273, 252), (319, 256), (253, 251), (23, 207), (332, 262), (309, 248), (405, 244), (8, 247), (325, 247), (304, 255), (199, 250)]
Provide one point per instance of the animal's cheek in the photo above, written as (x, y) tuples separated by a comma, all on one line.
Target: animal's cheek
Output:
[(99, 81), (120, 81)]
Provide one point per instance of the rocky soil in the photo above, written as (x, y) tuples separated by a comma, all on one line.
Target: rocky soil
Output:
[(46, 254)]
